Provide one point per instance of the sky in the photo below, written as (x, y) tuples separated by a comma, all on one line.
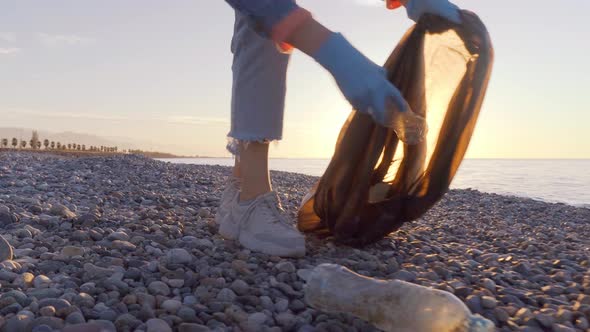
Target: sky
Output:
[(159, 72)]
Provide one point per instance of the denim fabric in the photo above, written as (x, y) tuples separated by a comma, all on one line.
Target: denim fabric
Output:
[(258, 87), (262, 15)]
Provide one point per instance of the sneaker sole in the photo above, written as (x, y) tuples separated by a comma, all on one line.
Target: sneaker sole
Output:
[(249, 241)]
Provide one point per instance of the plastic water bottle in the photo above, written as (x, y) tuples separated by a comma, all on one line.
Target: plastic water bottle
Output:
[(409, 127), (391, 305)]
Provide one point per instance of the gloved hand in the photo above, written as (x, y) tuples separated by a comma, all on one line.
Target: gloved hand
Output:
[(363, 83), (415, 9)]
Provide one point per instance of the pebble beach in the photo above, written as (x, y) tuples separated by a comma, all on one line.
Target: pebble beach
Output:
[(128, 243)]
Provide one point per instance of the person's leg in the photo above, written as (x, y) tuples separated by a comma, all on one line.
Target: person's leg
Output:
[(255, 216), (236, 170), (258, 102), (253, 169)]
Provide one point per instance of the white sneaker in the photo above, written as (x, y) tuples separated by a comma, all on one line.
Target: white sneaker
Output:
[(232, 188), (227, 228), (263, 227)]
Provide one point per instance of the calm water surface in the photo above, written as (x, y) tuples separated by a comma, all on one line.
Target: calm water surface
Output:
[(555, 180)]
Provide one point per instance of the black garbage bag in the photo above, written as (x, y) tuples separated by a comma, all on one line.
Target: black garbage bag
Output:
[(374, 182)]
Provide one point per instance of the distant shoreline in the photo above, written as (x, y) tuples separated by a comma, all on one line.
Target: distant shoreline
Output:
[(64, 153), (79, 153)]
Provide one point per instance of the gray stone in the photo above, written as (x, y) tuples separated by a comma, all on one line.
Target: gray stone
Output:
[(178, 256), (7, 218), (58, 304), (42, 328), (53, 322), (97, 271), (544, 319), (71, 251), (562, 328), (226, 295), (47, 311), (41, 281), (157, 325), (24, 280), (190, 327), (17, 323), (488, 302), (489, 284), (240, 287), (108, 314), (473, 302), (75, 317), (282, 305), (126, 321), (62, 211), (6, 252), (285, 266), (44, 293), (159, 288), (187, 314), (121, 236), (176, 283), (123, 245), (92, 326), (171, 306), (404, 275), (286, 320)]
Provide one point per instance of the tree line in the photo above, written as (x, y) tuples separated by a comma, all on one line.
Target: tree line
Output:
[(35, 143)]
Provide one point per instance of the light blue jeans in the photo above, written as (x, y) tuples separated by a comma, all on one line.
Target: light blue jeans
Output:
[(258, 90)]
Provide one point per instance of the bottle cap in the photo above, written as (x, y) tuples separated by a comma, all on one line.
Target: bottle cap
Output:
[(393, 4)]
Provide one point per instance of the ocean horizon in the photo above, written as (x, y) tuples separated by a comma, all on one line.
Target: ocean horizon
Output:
[(550, 180)]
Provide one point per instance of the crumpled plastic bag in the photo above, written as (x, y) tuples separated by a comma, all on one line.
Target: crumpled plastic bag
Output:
[(375, 183)]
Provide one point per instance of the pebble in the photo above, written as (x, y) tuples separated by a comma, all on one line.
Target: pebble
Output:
[(123, 245), (287, 267), (189, 327), (240, 287), (171, 306), (488, 302), (159, 288), (6, 252), (178, 256), (41, 281), (157, 325), (71, 251), (226, 295), (62, 211), (151, 253)]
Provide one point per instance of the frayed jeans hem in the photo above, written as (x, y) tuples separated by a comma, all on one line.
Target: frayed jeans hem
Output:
[(233, 143)]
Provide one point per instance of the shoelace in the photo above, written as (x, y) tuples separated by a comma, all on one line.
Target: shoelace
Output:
[(273, 204), (275, 210)]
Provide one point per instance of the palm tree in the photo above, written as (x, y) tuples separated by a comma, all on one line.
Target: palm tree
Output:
[(14, 142), (23, 144), (69, 146), (52, 145), (35, 140), (46, 143), (5, 142), (58, 145)]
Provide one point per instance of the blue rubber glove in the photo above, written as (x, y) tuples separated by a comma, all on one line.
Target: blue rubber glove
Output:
[(415, 9), (363, 83)]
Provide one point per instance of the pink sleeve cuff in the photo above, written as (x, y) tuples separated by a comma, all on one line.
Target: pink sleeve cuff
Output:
[(282, 30)]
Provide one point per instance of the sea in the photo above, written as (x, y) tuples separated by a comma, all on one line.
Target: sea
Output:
[(550, 180)]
